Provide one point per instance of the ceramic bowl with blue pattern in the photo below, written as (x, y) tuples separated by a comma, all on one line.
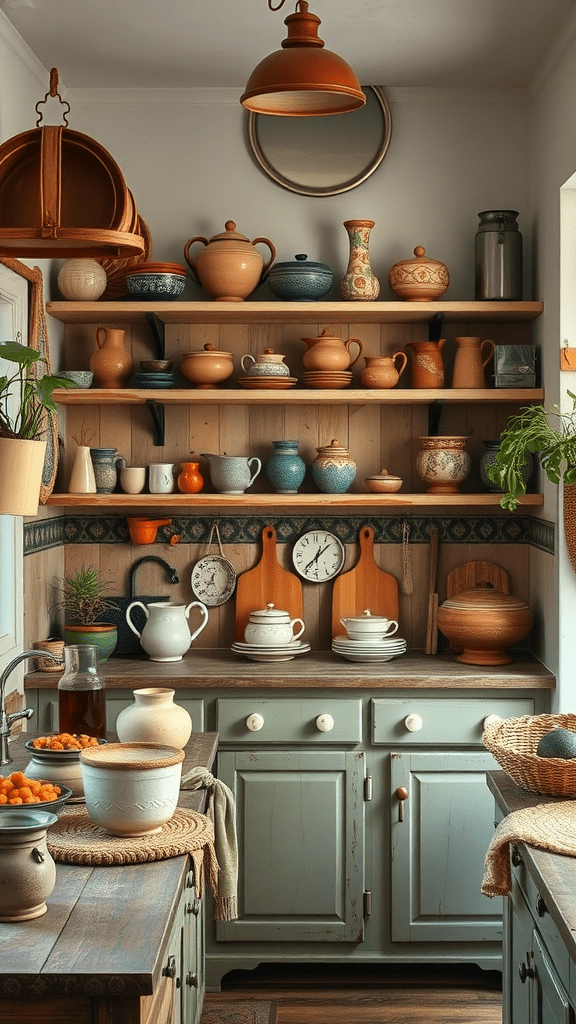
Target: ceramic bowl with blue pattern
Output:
[(300, 281)]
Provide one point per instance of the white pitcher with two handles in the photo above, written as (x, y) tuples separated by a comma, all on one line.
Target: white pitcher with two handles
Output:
[(166, 635)]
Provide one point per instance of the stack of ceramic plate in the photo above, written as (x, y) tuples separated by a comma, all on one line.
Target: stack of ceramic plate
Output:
[(369, 650), (153, 380), (327, 378), (262, 381), (265, 652)]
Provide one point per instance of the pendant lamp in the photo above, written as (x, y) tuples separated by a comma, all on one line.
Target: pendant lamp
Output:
[(302, 79)]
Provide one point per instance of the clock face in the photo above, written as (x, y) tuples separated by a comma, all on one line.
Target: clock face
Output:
[(318, 556), (213, 580)]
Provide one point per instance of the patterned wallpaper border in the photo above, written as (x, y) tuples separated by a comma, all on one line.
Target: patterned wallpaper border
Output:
[(102, 529)]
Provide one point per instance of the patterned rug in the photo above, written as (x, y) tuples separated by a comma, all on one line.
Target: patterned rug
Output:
[(236, 1012)]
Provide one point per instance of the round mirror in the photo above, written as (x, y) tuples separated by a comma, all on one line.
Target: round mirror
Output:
[(321, 156)]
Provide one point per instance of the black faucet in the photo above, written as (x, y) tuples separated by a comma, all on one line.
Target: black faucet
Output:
[(170, 571)]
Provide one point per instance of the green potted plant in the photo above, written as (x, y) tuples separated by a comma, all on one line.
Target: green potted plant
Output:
[(84, 602), (25, 398)]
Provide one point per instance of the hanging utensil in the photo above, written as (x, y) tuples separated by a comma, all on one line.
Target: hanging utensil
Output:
[(213, 577), (432, 629)]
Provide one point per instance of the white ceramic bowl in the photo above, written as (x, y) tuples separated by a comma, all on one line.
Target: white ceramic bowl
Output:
[(59, 766), (131, 789)]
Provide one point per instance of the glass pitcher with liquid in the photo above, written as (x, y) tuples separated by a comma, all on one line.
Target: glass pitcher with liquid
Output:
[(82, 692)]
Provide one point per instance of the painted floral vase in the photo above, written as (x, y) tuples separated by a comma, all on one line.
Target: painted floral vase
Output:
[(443, 463), (359, 283)]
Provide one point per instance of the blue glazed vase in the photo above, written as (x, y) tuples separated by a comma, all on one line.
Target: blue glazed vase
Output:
[(286, 470), (333, 469)]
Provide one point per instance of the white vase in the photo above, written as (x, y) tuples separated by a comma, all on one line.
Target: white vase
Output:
[(154, 718), (82, 479)]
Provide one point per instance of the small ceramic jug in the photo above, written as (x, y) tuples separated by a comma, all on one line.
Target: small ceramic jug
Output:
[(427, 363), (382, 371), (329, 353), (233, 474), (111, 364), (166, 636), (267, 364), (470, 362)]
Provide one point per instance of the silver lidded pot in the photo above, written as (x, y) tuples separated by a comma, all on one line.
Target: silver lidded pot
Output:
[(498, 256)]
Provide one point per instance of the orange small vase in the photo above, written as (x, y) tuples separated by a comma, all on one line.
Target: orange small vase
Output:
[(190, 479)]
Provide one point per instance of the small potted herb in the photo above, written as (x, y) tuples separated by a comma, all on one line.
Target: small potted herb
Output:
[(25, 399), (84, 602)]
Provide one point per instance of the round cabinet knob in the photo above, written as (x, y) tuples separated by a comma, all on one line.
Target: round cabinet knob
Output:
[(413, 723), (491, 720), (324, 723), (254, 722)]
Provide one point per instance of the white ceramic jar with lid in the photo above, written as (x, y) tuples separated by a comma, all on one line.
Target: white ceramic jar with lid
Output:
[(369, 627), (271, 626)]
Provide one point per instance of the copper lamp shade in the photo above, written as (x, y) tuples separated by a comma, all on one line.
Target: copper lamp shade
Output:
[(302, 79)]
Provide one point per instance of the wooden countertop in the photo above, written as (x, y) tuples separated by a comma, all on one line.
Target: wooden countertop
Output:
[(554, 874), (217, 669), (105, 927)]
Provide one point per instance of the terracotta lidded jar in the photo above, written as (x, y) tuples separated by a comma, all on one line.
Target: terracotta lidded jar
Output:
[(420, 278), (111, 364), (333, 469), (229, 267), (483, 622), (207, 367), (154, 718)]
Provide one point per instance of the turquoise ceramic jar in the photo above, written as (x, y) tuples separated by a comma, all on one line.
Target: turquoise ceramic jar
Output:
[(333, 469), (286, 470)]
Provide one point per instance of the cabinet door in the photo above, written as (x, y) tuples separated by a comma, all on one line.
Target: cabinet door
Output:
[(518, 963), (438, 848), (300, 820), (550, 1004), (194, 954)]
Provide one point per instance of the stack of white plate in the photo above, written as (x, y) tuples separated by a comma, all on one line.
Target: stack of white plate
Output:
[(368, 650), (264, 652)]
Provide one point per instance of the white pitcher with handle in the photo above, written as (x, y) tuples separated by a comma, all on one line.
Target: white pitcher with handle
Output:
[(166, 635)]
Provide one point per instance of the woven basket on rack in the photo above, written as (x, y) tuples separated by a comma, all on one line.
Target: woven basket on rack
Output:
[(514, 741)]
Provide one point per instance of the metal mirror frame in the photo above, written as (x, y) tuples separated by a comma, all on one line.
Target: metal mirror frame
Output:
[(332, 190)]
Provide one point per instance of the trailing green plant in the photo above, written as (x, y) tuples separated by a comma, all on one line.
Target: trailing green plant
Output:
[(83, 597), (550, 435), (33, 393)]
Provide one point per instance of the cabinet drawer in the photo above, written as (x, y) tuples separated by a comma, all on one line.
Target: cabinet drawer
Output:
[(289, 720), (540, 913), (439, 720)]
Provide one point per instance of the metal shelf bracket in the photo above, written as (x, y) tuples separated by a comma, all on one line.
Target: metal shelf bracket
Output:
[(157, 413), (157, 328)]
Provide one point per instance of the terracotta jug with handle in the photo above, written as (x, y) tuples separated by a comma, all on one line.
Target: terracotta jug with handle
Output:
[(427, 363), (383, 371), (470, 362), (111, 364), (329, 353)]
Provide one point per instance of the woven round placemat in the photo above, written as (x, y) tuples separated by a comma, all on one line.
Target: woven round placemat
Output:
[(75, 839)]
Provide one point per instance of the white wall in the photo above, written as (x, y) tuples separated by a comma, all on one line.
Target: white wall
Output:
[(185, 158)]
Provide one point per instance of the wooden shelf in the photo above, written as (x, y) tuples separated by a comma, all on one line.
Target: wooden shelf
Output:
[(294, 396), (118, 502), (293, 312)]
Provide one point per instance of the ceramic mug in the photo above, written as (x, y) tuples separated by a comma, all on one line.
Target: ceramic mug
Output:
[(132, 479), (161, 477)]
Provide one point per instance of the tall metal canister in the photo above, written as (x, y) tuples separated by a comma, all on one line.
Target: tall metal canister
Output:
[(498, 255)]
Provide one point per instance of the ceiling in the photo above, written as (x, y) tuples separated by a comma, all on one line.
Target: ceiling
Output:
[(216, 43)]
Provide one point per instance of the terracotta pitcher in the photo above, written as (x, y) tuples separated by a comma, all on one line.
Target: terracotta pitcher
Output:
[(111, 364), (383, 371), (427, 363), (470, 362), (329, 353)]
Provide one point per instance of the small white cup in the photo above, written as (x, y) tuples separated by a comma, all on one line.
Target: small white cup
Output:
[(161, 477), (133, 479)]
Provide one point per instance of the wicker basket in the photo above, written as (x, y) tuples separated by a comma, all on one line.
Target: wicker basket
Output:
[(514, 741)]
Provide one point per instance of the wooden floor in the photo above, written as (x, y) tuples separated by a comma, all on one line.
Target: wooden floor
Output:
[(374, 994)]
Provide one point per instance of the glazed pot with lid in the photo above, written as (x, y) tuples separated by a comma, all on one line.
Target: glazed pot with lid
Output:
[(300, 280), (419, 278), (482, 622), (207, 367), (368, 626), (271, 626), (229, 267)]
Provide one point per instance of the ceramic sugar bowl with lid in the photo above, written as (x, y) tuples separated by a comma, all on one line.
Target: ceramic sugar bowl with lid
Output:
[(419, 278), (229, 267), (271, 626)]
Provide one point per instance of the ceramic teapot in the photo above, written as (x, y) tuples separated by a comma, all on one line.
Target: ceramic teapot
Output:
[(166, 635), (329, 353), (232, 474), (266, 364), (229, 267), (270, 626)]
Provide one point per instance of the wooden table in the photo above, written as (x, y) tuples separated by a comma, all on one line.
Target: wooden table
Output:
[(101, 945)]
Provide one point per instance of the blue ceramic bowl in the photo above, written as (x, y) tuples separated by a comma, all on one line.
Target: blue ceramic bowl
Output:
[(300, 281), (158, 287), (83, 378)]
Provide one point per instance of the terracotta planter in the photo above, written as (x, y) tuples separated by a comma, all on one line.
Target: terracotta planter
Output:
[(21, 466)]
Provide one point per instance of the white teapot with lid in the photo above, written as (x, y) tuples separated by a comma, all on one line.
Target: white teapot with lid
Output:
[(270, 627), (266, 364)]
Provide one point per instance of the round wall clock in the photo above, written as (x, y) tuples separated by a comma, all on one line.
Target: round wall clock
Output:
[(318, 556)]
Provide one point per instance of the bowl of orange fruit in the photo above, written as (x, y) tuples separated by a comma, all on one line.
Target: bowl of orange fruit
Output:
[(19, 792), (57, 757)]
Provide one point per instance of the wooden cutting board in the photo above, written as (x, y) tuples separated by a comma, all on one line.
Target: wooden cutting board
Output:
[(470, 574), (267, 583), (366, 586)]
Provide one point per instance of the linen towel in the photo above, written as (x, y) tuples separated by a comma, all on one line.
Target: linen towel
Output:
[(221, 812), (550, 826)]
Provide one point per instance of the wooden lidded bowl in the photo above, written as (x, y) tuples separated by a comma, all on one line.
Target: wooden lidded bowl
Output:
[(482, 623)]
